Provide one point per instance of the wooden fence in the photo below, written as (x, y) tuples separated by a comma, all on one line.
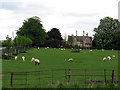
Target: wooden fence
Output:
[(84, 76)]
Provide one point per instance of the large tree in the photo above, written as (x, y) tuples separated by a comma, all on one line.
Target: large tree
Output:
[(105, 33), (54, 38), (33, 29)]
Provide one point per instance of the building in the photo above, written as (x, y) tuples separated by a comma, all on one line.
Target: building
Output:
[(82, 41)]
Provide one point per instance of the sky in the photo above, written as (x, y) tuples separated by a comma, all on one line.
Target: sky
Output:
[(66, 15)]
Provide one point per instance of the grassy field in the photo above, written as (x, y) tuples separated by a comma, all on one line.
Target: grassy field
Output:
[(51, 59)]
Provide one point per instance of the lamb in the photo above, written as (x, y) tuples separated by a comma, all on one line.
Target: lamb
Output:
[(113, 56), (104, 58), (23, 58), (90, 50), (108, 57), (15, 57), (32, 59), (70, 60), (37, 61)]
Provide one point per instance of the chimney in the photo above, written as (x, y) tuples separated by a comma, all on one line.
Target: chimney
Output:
[(76, 32), (87, 34), (83, 33)]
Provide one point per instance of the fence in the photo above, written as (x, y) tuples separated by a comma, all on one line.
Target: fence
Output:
[(46, 77)]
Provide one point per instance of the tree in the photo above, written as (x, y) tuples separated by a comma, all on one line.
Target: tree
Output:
[(54, 38), (21, 41), (105, 33), (70, 40), (8, 43), (33, 29)]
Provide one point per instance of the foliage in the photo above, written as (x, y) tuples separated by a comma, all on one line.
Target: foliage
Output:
[(105, 33), (33, 29), (54, 38), (70, 40), (21, 41), (8, 42)]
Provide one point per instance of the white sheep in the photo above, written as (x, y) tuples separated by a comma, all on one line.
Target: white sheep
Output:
[(6, 54), (38, 48), (37, 61), (15, 57), (90, 50), (23, 58), (70, 60), (108, 57), (102, 49), (112, 49), (32, 59), (104, 58), (113, 56)]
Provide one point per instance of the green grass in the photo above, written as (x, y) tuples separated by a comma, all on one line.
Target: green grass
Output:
[(51, 59)]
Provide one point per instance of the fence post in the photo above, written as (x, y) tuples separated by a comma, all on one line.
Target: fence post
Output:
[(112, 76), (105, 75), (65, 74), (11, 79), (69, 74)]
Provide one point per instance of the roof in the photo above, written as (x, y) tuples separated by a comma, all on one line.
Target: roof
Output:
[(81, 38)]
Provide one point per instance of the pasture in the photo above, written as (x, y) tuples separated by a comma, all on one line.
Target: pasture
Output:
[(51, 59)]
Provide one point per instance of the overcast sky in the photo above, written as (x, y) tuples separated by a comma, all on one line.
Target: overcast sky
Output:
[(66, 15)]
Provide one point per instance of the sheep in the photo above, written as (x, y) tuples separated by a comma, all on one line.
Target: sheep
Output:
[(32, 59), (15, 57), (6, 54), (70, 60), (38, 48), (80, 49), (112, 49), (113, 56), (108, 57), (37, 61), (104, 58), (23, 58), (90, 50), (102, 49)]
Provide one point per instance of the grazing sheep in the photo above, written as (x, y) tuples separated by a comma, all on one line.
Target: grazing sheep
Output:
[(38, 48), (80, 49), (37, 61), (6, 54), (108, 57), (62, 48), (104, 58), (70, 60), (102, 49), (32, 59), (90, 50), (23, 58), (112, 49), (15, 57), (113, 56), (47, 47)]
